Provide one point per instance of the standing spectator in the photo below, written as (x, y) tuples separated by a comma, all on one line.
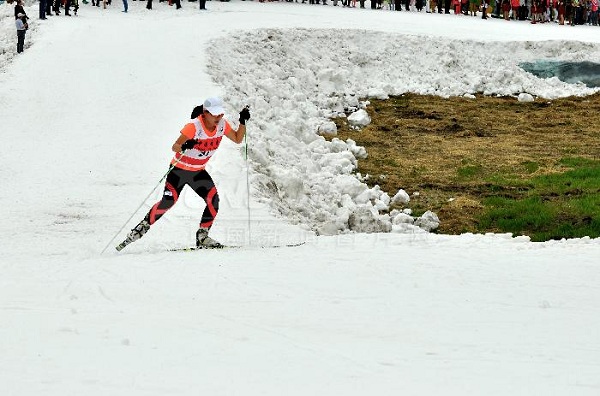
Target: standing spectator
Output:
[(498, 8), (464, 7), (456, 5), (526, 12), (568, 11), (484, 7), (574, 12), (561, 12), (594, 12), (43, 9), (560, 8), (67, 4), (203, 4), (535, 11), (579, 12), (514, 9), (555, 10), (19, 9), (125, 6), (505, 10), (21, 24), (56, 7), (473, 7)]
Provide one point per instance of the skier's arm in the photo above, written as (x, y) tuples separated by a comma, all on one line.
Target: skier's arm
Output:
[(238, 135), (187, 133), (177, 145)]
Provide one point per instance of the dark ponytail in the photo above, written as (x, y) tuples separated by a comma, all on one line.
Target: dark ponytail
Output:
[(197, 111)]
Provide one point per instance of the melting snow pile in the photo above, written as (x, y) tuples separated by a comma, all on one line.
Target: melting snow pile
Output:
[(295, 86)]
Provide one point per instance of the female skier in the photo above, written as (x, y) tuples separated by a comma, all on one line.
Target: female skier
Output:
[(198, 141)]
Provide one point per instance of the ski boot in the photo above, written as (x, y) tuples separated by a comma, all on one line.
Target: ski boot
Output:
[(136, 233), (203, 241)]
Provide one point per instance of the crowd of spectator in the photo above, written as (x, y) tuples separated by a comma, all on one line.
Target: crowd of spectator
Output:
[(571, 12)]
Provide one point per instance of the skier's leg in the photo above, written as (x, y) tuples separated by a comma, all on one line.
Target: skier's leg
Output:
[(170, 196), (174, 184), (204, 186)]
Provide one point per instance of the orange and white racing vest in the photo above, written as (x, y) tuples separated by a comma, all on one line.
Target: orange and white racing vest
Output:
[(195, 159)]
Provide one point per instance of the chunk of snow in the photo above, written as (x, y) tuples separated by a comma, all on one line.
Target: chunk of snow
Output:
[(401, 197), (525, 97), (428, 221), (328, 128), (359, 118)]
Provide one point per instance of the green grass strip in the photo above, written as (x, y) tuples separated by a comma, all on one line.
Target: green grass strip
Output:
[(556, 206)]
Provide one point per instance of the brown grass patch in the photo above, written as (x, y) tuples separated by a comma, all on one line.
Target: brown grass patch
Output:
[(452, 151)]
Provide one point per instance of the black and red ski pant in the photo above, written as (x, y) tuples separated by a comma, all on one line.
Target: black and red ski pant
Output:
[(200, 182)]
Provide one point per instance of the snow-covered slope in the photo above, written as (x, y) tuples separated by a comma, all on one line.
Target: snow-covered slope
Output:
[(88, 114)]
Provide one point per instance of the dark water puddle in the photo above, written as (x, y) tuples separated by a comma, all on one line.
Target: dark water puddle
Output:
[(566, 71)]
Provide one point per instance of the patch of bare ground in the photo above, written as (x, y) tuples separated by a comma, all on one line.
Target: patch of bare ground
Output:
[(454, 152)]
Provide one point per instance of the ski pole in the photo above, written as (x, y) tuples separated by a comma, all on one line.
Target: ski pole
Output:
[(138, 208), (248, 183), (248, 189)]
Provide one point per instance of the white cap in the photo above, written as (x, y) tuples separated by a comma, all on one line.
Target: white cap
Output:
[(214, 106)]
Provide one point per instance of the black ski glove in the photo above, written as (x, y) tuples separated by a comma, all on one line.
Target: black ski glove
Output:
[(244, 115), (189, 144)]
